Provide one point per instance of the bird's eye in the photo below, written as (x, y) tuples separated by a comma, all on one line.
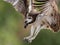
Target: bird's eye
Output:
[(29, 18)]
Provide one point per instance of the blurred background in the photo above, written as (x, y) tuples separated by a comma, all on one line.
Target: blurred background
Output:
[(12, 29)]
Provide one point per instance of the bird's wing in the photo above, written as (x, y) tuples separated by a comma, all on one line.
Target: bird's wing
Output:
[(20, 5)]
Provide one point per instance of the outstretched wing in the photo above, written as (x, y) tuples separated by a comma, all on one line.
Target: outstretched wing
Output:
[(13, 2), (20, 5)]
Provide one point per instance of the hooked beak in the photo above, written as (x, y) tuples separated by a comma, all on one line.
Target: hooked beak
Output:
[(26, 24)]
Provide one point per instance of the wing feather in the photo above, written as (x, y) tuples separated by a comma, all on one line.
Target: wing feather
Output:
[(20, 5)]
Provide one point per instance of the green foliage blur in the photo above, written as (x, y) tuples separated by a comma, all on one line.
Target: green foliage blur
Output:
[(9, 27), (9, 21)]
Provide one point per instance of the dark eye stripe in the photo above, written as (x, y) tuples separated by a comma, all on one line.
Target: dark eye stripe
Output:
[(29, 18)]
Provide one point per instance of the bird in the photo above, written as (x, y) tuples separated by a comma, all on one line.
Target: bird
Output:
[(46, 18)]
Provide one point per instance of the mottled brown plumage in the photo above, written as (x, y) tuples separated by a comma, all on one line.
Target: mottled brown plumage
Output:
[(56, 16), (56, 26)]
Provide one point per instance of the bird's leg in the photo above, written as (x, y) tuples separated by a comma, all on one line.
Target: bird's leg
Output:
[(37, 32), (31, 33)]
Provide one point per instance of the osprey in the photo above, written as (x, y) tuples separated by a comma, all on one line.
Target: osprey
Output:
[(47, 18)]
